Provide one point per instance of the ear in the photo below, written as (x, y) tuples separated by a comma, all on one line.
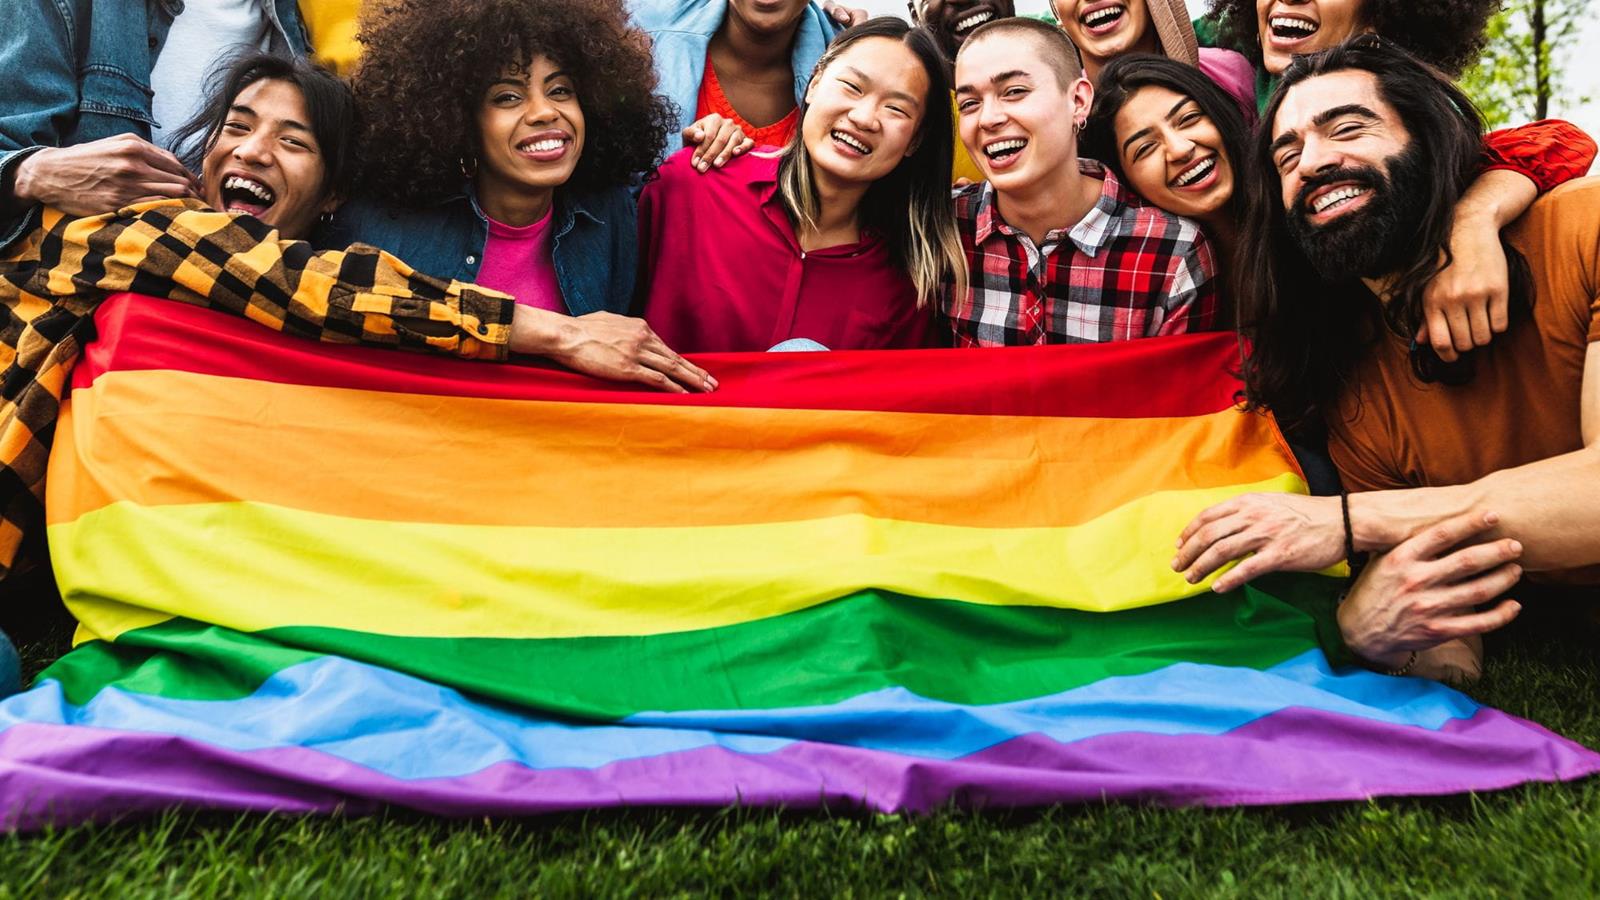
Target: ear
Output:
[(1082, 93), (333, 202)]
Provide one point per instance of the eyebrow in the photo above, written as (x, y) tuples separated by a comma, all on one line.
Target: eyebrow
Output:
[(998, 79), (1182, 101), (867, 79), (291, 123), (1323, 118)]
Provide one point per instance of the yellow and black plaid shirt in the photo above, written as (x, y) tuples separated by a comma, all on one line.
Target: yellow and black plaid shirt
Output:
[(51, 280)]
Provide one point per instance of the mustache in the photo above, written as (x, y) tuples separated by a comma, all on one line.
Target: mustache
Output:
[(1363, 176)]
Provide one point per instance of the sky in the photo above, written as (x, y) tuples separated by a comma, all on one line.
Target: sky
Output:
[(1583, 60)]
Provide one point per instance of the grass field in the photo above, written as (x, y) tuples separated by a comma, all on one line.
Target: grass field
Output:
[(1536, 841)]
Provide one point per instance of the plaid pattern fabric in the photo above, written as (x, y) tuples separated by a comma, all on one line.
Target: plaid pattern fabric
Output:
[(51, 280), (1550, 152), (1128, 270)]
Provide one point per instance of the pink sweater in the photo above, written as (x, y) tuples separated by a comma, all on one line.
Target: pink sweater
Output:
[(721, 269)]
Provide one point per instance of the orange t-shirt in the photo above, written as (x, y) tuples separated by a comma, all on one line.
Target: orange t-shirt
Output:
[(1524, 402), (713, 100)]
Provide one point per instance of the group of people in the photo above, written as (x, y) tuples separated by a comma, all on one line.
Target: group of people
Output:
[(611, 185)]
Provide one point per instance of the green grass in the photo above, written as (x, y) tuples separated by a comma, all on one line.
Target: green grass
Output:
[(1542, 840)]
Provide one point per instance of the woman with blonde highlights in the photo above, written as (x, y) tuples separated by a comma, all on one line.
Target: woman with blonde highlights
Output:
[(842, 237)]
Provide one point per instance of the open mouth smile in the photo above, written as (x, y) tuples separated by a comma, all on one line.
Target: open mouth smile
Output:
[(1291, 29), (850, 143), (246, 195), (1102, 19), (967, 23), (1336, 200), (546, 147), (1197, 175)]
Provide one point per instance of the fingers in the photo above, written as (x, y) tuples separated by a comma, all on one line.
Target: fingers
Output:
[(1433, 541), (1478, 325), (655, 378), (1206, 517), (1478, 623), (1223, 550), (1474, 560), (679, 370), (164, 162), (1437, 334), (1460, 332), (1249, 569), (1475, 592), (1500, 311), (727, 143)]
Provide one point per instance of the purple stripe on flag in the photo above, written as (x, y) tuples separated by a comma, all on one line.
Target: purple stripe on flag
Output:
[(65, 774)]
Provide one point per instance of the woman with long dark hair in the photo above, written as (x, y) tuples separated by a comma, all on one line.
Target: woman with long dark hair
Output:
[(842, 237)]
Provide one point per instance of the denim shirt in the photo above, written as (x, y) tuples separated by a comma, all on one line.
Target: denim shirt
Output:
[(595, 243), (681, 31), (77, 71)]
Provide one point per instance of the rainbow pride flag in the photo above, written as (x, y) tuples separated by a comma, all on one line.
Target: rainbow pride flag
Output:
[(315, 578)]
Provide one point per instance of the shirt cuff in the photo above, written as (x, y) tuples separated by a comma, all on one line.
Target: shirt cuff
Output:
[(14, 227)]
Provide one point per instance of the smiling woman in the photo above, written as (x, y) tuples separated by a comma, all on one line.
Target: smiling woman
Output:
[(1447, 33), (506, 159), (841, 238)]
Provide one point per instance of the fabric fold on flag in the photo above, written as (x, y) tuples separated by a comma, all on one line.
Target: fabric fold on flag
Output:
[(314, 579)]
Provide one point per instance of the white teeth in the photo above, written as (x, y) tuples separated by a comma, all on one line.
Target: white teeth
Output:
[(847, 140), (1294, 23), (262, 192), (974, 20), (1197, 171), (1101, 15), (544, 146), (1336, 197), (999, 147)]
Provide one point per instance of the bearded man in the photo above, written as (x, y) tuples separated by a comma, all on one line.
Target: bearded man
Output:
[(1462, 475)]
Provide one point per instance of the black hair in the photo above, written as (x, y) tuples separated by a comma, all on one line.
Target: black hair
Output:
[(329, 104), (1127, 75), (1307, 335)]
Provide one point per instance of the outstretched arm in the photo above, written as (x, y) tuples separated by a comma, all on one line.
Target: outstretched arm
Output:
[(1551, 506)]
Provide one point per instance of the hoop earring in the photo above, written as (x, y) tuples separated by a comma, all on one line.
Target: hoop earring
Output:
[(469, 171), (325, 219)]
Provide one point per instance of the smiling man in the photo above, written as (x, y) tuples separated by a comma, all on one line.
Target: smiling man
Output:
[(1058, 249), (1365, 153)]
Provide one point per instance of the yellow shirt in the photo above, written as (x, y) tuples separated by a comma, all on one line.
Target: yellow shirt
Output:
[(963, 167), (332, 24)]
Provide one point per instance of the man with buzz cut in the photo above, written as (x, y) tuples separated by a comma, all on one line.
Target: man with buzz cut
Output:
[(1058, 250)]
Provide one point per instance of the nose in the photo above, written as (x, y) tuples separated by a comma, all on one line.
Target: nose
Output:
[(991, 115), (1179, 148), (1317, 155), (255, 149), (863, 116), (539, 110)]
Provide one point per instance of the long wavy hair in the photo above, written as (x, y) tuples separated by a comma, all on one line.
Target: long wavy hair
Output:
[(426, 64), (1127, 75), (910, 207), (1306, 335)]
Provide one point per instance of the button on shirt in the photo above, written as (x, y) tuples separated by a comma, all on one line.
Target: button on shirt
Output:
[(1126, 270)]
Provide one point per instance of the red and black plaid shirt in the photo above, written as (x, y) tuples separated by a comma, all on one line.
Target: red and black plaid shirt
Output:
[(1127, 270)]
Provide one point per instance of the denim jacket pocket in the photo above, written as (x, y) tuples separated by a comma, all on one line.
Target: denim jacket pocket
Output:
[(111, 102)]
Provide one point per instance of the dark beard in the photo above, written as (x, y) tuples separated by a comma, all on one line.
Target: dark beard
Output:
[(1370, 241)]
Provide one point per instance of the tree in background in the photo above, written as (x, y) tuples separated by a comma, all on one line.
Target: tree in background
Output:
[(1524, 62)]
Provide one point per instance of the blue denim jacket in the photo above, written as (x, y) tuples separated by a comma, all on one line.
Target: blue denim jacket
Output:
[(595, 244), (76, 71), (682, 30)]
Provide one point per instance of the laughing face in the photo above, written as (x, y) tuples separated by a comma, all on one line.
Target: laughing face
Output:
[(1017, 118), (1291, 27), (530, 136), (266, 162), (1173, 155), (864, 111), (1106, 29), (1349, 176), (952, 20)]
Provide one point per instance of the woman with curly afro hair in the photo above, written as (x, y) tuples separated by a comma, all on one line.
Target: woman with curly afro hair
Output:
[(499, 142)]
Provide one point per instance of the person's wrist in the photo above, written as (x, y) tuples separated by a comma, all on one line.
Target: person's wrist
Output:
[(22, 185), (538, 332), (1370, 650)]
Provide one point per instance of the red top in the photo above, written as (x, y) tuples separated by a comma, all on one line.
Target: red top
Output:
[(720, 269), (1550, 152), (713, 100)]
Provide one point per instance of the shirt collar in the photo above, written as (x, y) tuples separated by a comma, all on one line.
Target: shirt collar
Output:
[(1090, 234)]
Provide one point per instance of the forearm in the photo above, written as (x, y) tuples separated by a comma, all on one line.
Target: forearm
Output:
[(1496, 199), (1552, 506)]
